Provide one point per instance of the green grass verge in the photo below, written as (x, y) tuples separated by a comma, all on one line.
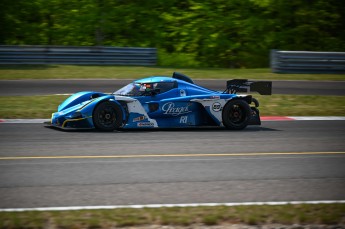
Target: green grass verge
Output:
[(303, 214), (286, 105), (13, 72), (29, 106), (301, 105)]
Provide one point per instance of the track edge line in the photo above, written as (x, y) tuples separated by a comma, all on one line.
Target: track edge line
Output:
[(110, 207)]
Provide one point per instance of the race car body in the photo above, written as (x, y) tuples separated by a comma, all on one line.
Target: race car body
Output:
[(163, 102)]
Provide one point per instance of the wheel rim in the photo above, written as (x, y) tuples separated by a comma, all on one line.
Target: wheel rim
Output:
[(236, 114), (107, 117)]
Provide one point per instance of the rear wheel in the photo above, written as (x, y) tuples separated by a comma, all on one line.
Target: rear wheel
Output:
[(236, 114), (107, 116)]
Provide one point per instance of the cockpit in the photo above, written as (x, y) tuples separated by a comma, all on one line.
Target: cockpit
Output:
[(144, 89)]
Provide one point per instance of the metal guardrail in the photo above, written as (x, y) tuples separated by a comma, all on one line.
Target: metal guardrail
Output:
[(307, 62), (77, 55)]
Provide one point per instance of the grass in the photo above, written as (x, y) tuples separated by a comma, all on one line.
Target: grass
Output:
[(43, 106), (286, 105), (15, 72), (303, 214), (301, 105), (29, 106)]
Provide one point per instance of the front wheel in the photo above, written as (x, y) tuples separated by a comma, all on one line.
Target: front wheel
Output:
[(107, 116), (236, 114)]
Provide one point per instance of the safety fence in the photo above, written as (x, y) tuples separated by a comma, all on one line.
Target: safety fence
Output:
[(77, 55), (307, 62)]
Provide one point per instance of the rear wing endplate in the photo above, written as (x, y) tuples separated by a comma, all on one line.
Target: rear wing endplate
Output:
[(242, 85)]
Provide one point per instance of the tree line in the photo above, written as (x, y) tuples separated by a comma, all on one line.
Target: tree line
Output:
[(208, 33)]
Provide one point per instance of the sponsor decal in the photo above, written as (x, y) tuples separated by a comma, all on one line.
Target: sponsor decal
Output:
[(183, 119), (140, 118), (171, 109), (145, 124), (216, 107)]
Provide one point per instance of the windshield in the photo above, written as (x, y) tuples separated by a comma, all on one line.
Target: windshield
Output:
[(131, 89), (135, 89), (140, 89)]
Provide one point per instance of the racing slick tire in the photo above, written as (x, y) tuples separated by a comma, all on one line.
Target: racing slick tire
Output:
[(107, 116), (236, 114)]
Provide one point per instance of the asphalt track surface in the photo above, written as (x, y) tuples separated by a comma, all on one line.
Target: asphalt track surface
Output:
[(45, 87), (278, 161)]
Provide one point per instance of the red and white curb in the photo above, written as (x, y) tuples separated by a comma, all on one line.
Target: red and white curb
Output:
[(263, 118), (76, 208)]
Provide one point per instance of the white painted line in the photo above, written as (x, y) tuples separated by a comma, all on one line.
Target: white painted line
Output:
[(317, 118), (264, 118), (76, 208), (23, 121)]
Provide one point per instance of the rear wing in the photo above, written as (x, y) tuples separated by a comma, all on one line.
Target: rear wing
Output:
[(243, 85)]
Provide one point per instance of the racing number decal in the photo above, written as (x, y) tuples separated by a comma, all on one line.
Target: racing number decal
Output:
[(183, 119), (216, 107)]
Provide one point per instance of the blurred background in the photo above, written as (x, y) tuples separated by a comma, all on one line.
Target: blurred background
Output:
[(191, 33)]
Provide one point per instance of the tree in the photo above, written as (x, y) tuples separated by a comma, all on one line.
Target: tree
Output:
[(214, 33)]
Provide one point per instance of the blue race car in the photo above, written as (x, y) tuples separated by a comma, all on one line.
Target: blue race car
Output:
[(163, 102)]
